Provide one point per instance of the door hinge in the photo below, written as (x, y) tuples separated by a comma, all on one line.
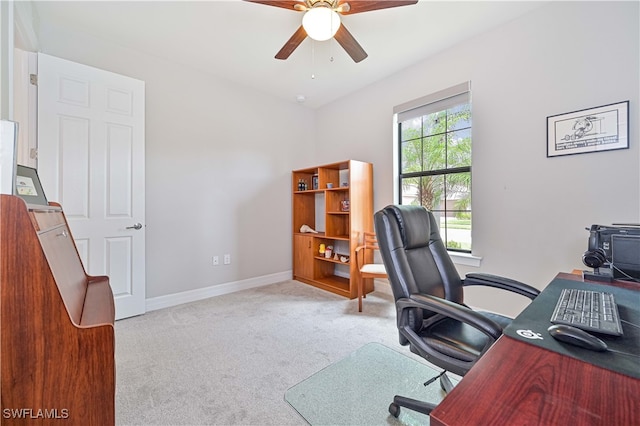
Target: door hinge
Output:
[(33, 153), (33, 79)]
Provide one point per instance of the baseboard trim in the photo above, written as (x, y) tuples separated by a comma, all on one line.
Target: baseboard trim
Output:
[(174, 299)]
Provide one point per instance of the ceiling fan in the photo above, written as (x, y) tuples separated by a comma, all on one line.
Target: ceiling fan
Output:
[(321, 21)]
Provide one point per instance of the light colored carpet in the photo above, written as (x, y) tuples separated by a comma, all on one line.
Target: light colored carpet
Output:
[(229, 360)]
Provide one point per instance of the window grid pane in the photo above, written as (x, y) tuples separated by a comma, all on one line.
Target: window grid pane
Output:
[(435, 158), (434, 149), (411, 155)]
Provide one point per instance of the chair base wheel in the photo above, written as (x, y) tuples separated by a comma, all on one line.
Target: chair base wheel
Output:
[(394, 409)]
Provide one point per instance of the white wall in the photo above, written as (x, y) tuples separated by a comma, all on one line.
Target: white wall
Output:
[(6, 60), (218, 163), (529, 211), (219, 155)]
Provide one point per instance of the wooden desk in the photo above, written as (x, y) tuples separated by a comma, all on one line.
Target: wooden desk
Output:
[(57, 341), (516, 383)]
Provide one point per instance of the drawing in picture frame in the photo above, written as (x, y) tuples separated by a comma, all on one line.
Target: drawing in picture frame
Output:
[(28, 186), (603, 128)]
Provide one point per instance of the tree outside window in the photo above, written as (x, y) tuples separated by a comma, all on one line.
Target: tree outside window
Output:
[(435, 167)]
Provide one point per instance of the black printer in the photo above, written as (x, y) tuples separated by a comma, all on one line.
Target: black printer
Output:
[(614, 252)]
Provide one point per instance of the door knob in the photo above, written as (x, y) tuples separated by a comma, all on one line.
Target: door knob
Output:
[(136, 226)]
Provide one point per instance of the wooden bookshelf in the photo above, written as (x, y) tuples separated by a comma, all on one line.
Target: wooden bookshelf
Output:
[(319, 204)]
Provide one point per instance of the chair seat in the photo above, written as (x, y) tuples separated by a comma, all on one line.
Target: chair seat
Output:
[(459, 340), (373, 268)]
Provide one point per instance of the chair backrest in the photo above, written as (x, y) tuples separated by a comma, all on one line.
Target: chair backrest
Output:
[(369, 240), (414, 255)]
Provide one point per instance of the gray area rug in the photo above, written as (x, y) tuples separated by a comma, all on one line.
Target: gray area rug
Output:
[(229, 360)]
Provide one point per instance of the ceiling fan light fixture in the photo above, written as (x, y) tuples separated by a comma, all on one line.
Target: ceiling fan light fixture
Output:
[(321, 23)]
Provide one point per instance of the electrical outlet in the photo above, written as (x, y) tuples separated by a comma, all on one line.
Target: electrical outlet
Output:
[(227, 259), (216, 260)]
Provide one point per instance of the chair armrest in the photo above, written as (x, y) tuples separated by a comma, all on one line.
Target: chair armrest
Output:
[(502, 283), (452, 310)]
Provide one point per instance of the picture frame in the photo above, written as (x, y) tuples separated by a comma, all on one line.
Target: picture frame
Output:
[(28, 186), (602, 128)]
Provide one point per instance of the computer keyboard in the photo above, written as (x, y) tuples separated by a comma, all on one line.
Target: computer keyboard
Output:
[(588, 310)]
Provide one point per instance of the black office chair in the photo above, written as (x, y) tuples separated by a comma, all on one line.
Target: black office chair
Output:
[(428, 291)]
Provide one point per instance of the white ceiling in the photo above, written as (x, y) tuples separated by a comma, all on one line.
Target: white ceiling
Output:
[(237, 40)]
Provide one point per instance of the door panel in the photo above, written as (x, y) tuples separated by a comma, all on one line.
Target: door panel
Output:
[(91, 160)]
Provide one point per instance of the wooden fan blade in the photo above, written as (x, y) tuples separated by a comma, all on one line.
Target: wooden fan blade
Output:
[(285, 4), (359, 6), (349, 43), (291, 45)]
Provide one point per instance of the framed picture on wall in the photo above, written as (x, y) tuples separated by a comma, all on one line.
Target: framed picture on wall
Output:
[(28, 186), (603, 128)]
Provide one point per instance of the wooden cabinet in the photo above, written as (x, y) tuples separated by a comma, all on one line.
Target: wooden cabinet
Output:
[(336, 200), (57, 341), (303, 256)]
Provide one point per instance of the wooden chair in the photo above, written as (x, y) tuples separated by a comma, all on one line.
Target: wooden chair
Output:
[(365, 264)]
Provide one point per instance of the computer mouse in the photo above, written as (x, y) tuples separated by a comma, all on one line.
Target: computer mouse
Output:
[(577, 337)]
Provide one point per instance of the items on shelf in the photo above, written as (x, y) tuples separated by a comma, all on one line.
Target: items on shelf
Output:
[(307, 228), (328, 251), (302, 185)]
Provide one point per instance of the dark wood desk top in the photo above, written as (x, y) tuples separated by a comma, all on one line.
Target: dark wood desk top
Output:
[(516, 383)]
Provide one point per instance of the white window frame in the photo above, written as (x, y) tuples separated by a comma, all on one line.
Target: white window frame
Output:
[(461, 258)]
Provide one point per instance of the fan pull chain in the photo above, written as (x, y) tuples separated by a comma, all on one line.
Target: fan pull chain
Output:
[(313, 59), (331, 44)]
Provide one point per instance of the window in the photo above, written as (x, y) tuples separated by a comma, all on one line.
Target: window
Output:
[(434, 153)]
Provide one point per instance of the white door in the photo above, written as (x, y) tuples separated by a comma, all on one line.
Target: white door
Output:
[(91, 160)]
